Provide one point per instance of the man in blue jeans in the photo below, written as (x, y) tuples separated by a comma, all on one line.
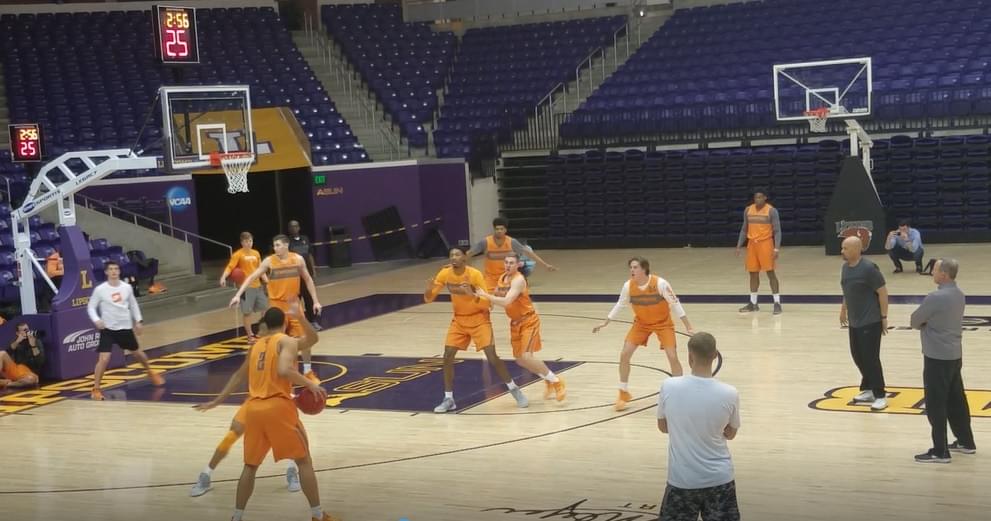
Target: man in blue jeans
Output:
[(905, 243)]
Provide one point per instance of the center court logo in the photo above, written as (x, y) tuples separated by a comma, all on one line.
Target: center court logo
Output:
[(81, 340), (178, 199)]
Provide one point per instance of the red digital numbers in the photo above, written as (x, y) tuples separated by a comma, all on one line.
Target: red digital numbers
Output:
[(175, 34), (25, 142)]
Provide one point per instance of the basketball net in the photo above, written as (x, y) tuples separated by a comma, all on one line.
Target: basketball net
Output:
[(236, 166), (817, 119)]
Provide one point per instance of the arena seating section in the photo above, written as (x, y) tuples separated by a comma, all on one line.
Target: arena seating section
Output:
[(90, 78), (501, 74), (403, 64), (709, 68), (697, 197)]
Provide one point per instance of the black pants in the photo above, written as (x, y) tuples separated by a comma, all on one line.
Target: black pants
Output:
[(898, 254), (712, 503), (865, 346), (307, 302), (946, 401)]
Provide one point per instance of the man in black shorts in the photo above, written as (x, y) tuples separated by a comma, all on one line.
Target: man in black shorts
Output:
[(115, 313)]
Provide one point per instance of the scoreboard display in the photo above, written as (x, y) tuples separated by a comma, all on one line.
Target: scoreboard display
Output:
[(175, 34), (25, 142)]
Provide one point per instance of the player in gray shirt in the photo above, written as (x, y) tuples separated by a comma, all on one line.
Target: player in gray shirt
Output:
[(940, 322), (865, 311)]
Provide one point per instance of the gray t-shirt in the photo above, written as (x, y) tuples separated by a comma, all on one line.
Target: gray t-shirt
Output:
[(860, 284), (940, 321), (518, 247)]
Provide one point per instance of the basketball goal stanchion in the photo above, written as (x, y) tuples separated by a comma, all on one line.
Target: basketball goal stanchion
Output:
[(236, 166)]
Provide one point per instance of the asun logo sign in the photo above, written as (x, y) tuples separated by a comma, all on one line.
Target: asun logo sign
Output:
[(81, 340), (178, 198)]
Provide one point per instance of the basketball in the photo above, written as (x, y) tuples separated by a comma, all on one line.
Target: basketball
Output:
[(309, 403), (237, 277)]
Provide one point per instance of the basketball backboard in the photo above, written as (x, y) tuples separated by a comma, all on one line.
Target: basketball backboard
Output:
[(842, 86), (201, 120)]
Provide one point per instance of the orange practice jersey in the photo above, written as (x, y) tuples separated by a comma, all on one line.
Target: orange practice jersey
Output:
[(459, 286), (759, 226), (648, 305), (520, 307), (283, 278), (494, 255), (248, 262), (263, 370)]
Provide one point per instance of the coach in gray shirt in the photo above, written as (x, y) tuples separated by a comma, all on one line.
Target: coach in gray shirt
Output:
[(940, 321), (865, 311)]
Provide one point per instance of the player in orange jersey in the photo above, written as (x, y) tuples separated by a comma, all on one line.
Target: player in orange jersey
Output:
[(471, 323), (271, 421), (496, 247), (513, 294), (762, 231), (653, 300), (286, 269), (254, 300)]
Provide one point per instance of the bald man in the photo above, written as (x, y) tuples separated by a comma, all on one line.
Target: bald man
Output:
[(865, 312)]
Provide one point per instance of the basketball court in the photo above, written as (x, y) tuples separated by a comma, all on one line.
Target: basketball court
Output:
[(382, 454)]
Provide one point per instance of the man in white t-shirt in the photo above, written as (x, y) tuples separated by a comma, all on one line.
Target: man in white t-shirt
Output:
[(699, 413), (114, 311)]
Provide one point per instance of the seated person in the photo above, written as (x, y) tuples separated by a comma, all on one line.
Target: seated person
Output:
[(22, 362), (905, 243)]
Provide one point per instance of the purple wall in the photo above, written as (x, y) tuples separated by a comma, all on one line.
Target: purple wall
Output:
[(419, 192), (165, 201)]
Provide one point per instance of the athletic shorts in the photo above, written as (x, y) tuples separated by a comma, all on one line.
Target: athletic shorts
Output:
[(293, 327), (124, 338), (640, 333), (273, 424), (254, 300), (15, 372), (687, 504), (760, 256), (525, 335), (462, 334)]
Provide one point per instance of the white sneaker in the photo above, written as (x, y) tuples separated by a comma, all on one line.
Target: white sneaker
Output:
[(521, 400), (879, 405), (292, 479), (447, 405), (864, 396), (202, 485)]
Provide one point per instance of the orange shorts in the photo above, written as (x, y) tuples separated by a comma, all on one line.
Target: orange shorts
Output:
[(760, 256), (639, 334), (15, 372), (461, 335), (273, 424), (293, 327), (525, 335)]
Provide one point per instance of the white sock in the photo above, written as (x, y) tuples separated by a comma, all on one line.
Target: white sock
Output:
[(238, 514), (753, 298), (777, 298), (316, 512), (307, 368), (448, 395), (550, 376), (511, 385), (623, 386), (208, 471)]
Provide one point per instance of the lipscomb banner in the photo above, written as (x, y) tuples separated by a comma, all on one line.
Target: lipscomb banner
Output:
[(280, 143)]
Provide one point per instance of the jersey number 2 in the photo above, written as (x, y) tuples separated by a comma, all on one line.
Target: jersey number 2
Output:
[(261, 361)]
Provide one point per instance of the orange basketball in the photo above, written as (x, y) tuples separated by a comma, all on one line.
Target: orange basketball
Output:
[(308, 402), (237, 277)]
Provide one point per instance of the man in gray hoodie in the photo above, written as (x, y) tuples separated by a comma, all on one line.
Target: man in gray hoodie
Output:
[(940, 321)]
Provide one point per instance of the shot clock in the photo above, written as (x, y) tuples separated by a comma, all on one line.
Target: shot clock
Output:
[(175, 34), (25, 142)]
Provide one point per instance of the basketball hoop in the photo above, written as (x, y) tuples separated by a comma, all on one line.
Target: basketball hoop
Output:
[(818, 118), (236, 166)]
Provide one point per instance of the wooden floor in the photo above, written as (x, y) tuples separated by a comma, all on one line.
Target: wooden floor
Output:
[(125, 460)]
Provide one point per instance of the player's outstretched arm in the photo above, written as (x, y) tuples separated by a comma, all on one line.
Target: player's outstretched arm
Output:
[(434, 286), (624, 299), (262, 268), (310, 336), (515, 290), (235, 381), (288, 354)]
